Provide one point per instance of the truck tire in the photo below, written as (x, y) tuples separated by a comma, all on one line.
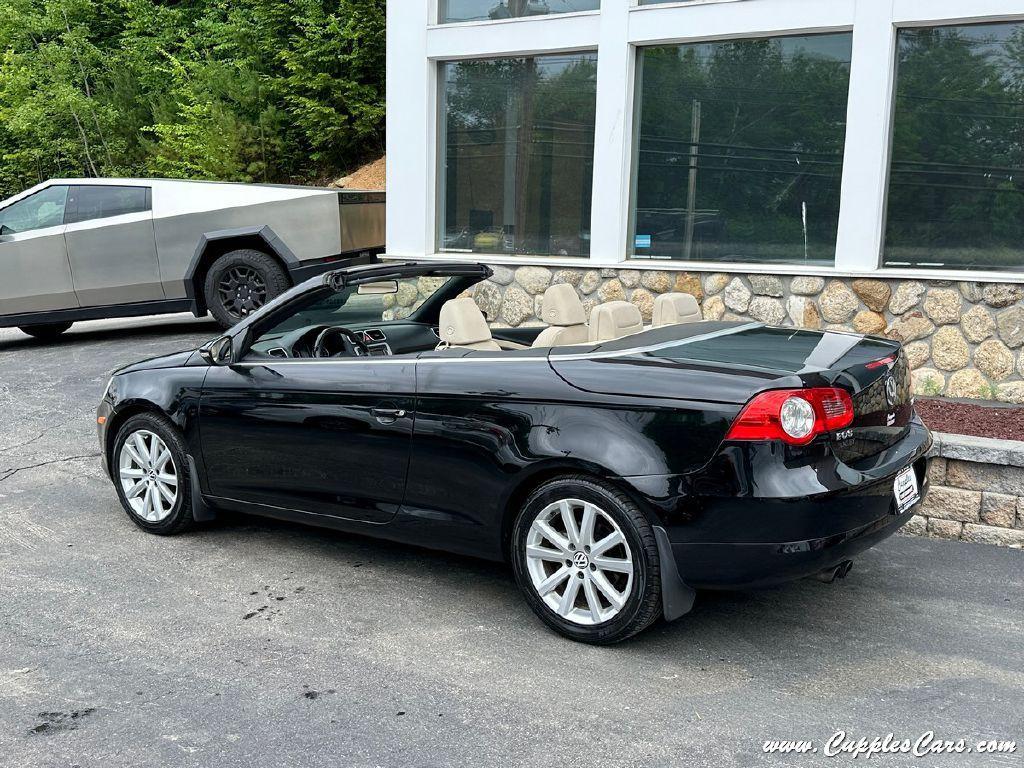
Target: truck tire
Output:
[(46, 331), (240, 282)]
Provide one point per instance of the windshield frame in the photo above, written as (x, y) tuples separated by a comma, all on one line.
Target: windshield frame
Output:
[(463, 276)]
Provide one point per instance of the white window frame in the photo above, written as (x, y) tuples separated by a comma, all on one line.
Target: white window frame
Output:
[(416, 44)]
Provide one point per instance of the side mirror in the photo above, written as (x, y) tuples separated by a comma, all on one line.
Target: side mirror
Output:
[(218, 352)]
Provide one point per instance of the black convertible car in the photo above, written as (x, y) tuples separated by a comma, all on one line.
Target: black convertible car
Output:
[(617, 468)]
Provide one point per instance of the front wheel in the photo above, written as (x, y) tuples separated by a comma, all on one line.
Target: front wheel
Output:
[(586, 559), (240, 282), (151, 476), (45, 332)]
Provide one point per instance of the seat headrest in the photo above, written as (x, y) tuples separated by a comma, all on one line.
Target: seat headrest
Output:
[(674, 308), (562, 306), (613, 320), (462, 322)]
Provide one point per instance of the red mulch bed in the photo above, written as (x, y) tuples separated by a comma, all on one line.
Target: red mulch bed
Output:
[(999, 421)]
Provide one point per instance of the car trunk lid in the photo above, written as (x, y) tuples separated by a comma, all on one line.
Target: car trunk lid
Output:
[(883, 404), (716, 362), (729, 363)]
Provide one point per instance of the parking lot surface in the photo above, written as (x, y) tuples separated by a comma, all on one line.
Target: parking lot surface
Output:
[(256, 643)]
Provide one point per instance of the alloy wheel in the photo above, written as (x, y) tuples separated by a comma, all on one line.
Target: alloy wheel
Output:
[(148, 476), (579, 561), (242, 291)]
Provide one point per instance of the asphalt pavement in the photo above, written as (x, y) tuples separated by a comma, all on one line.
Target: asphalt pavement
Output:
[(257, 643)]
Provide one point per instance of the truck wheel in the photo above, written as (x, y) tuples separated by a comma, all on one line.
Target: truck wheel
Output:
[(240, 282), (45, 332)]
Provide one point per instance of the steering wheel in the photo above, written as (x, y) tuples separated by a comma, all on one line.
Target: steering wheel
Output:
[(353, 344)]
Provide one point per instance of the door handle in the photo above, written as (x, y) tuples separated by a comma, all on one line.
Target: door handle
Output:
[(388, 415)]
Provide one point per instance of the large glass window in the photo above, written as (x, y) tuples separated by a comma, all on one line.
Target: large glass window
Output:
[(484, 10), (739, 151), (956, 183), (517, 155)]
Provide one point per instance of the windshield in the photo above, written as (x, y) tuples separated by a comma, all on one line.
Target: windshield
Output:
[(349, 307)]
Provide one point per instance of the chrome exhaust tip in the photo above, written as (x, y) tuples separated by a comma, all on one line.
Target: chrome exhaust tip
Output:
[(829, 575)]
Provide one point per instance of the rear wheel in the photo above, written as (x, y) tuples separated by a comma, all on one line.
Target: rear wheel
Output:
[(240, 282), (45, 332), (151, 476), (586, 559)]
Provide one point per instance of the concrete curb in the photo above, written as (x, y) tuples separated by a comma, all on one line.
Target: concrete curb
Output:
[(982, 450)]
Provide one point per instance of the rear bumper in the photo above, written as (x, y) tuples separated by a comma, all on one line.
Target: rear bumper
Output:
[(746, 566), (792, 518)]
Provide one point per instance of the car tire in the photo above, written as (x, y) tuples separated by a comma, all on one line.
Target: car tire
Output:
[(173, 515), (45, 332), (601, 575), (240, 282)]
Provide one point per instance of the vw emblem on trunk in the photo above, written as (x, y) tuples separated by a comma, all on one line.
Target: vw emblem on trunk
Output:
[(890, 390)]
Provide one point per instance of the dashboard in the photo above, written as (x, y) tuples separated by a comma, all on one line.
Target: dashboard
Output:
[(381, 340)]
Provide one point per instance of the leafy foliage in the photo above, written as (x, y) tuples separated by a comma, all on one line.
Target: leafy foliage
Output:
[(956, 196), (758, 127), (241, 90)]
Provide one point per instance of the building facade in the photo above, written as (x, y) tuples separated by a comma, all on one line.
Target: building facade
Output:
[(854, 164)]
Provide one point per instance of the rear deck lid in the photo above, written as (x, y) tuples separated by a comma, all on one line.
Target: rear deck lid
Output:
[(725, 362), (719, 362)]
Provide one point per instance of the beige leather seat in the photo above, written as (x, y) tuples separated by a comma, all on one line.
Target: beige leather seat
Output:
[(675, 308), (463, 325), (613, 320), (566, 318)]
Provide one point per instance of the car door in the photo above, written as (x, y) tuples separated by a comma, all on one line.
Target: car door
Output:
[(331, 437), (34, 272), (111, 245)]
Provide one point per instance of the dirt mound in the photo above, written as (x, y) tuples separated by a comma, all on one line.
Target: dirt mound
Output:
[(370, 176)]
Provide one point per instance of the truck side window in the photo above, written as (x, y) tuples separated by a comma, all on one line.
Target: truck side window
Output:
[(100, 202), (43, 209)]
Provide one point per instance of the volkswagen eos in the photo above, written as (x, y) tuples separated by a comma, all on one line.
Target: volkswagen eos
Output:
[(618, 467)]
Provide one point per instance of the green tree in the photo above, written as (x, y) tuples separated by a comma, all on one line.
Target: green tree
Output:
[(248, 90)]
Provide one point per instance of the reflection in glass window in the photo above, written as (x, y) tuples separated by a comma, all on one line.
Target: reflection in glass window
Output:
[(495, 10), (740, 150), (956, 184), (517, 155), (86, 203), (39, 211)]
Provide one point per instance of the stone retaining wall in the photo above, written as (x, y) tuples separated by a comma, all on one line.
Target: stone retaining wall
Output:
[(977, 492), (963, 339)]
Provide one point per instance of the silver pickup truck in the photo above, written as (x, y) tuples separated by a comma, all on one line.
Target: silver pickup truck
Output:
[(82, 249)]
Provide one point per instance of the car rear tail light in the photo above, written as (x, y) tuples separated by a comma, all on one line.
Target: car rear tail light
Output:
[(793, 416)]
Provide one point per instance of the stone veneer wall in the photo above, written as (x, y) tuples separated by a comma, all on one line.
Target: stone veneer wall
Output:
[(977, 492), (963, 339)]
